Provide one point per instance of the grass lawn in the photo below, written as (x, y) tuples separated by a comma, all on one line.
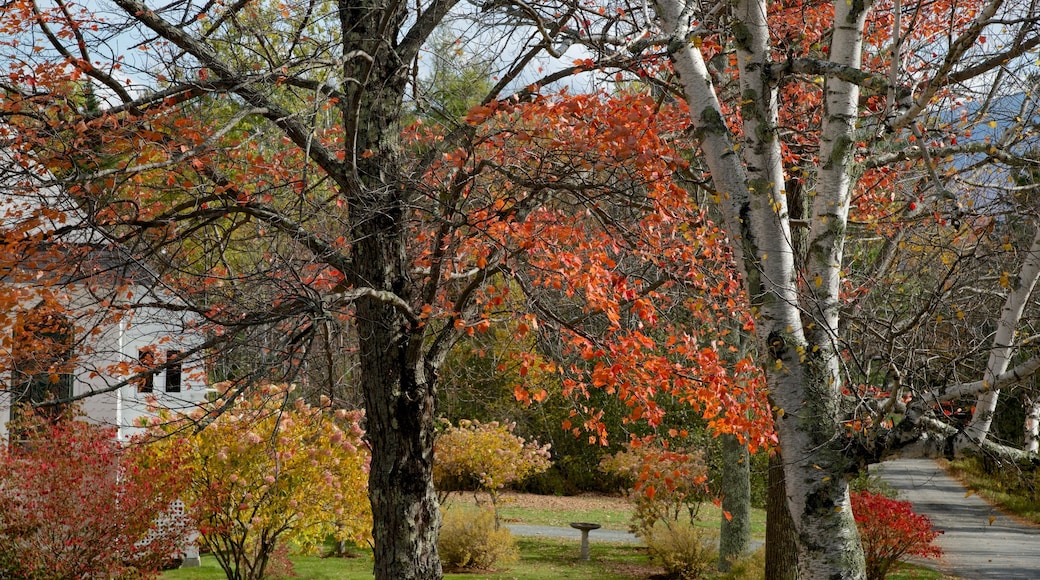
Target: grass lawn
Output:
[(613, 513), (610, 517), (540, 559), (309, 567), (905, 571)]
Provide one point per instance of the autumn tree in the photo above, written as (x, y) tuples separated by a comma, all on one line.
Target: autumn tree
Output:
[(269, 469), (825, 97), (253, 157)]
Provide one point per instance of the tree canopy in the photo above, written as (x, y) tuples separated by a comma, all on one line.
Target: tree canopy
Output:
[(837, 178)]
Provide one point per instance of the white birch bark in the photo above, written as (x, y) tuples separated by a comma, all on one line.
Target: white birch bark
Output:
[(1004, 343), (827, 508), (727, 170), (1032, 424), (803, 377)]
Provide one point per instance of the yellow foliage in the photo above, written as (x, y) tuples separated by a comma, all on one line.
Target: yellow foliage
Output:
[(471, 539), (270, 468), (484, 456)]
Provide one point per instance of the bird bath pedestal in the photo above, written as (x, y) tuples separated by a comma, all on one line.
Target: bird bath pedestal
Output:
[(585, 528)]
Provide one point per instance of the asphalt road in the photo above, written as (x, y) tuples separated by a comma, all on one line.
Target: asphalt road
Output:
[(978, 541)]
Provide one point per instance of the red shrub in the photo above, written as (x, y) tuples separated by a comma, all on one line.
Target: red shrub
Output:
[(76, 503), (889, 530)]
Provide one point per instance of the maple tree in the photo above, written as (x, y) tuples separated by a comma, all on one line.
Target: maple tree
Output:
[(75, 503), (263, 175), (891, 530), (268, 469)]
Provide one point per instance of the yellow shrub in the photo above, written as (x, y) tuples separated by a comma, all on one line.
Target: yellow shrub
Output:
[(748, 567), (484, 456), (269, 468), (684, 551), (470, 539)]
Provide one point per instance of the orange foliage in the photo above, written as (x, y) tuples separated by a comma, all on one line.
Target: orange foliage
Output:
[(614, 240), (573, 198)]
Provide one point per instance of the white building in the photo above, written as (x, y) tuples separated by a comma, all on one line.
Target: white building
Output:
[(80, 318)]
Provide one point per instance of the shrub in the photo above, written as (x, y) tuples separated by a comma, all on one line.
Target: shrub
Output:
[(748, 567), (664, 483), (280, 566), (889, 530), (269, 468), (686, 552), (470, 539), (76, 503), (477, 456)]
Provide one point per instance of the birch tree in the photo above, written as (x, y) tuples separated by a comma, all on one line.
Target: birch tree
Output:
[(261, 162), (799, 304)]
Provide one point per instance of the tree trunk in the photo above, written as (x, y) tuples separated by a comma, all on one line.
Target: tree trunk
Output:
[(781, 537), (398, 389), (815, 463), (399, 404), (735, 533), (1032, 423), (1004, 346)]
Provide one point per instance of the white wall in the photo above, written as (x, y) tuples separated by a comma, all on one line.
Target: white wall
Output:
[(106, 355)]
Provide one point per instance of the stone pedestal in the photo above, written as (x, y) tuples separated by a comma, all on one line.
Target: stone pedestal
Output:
[(585, 528)]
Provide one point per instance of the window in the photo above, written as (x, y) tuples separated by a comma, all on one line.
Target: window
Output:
[(42, 359), (146, 384), (173, 371)]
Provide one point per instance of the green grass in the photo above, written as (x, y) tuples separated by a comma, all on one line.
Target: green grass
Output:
[(709, 516), (309, 567), (616, 516), (610, 519), (545, 559), (540, 559), (907, 571)]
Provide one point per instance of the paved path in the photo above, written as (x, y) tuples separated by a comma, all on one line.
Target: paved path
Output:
[(973, 547), (600, 535)]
